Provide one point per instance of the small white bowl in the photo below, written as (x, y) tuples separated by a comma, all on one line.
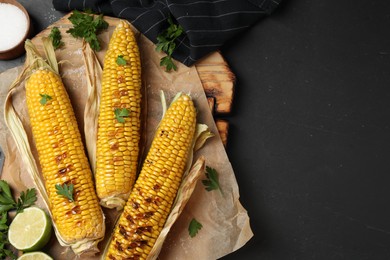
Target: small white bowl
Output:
[(18, 49)]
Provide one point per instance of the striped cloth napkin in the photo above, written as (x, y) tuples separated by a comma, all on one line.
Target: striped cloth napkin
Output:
[(207, 24)]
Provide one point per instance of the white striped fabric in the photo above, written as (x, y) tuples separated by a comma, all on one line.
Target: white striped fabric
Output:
[(208, 24)]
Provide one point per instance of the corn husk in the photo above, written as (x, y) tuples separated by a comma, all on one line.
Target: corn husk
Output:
[(91, 110)]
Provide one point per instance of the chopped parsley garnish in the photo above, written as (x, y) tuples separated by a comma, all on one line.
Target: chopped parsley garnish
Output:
[(194, 227), (121, 61), (65, 190), (44, 99), (120, 114), (212, 182)]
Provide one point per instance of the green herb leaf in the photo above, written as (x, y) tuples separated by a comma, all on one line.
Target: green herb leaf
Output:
[(87, 26), (9, 253), (55, 36), (4, 199), (194, 227), (65, 190), (120, 114), (4, 187), (121, 61), (8, 203), (26, 199), (168, 63), (212, 182), (166, 43), (3, 227), (44, 99), (6, 208), (3, 221)]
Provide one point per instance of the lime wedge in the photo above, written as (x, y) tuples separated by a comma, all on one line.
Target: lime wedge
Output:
[(30, 230), (35, 256)]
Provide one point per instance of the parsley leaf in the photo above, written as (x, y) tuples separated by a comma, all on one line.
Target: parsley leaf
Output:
[(166, 43), (3, 221), (55, 36), (120, 114), (6, 200), (26, 199), (121, 61), (4, 252), (194, 227), (168, 63), (44, 99), (212, 182), (87, 26), (66, 191), (5, 189)]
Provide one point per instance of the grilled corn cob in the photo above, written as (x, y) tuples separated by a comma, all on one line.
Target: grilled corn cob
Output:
[(119, 136), (79, 223), (153, 194)]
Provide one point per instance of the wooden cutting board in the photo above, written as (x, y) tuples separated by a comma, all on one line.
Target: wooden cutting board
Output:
[(214, 72)]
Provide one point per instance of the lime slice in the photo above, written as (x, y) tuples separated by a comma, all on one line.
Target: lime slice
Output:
[(30, 230), (35, 256)]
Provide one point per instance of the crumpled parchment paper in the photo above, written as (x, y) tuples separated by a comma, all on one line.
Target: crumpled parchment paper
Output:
[(226, 225)]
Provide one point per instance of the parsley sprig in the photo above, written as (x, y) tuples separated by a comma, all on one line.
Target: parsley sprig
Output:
[(44, 99), (212, 182), (121, 61), (194, 227), (120, 114), (87, 26), (65, 190), (7, 203), (27, 198), (55, 36), (166, 43)]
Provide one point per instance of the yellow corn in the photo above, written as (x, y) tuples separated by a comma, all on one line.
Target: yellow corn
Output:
[(118, 142), (153, 194), (80, 223)]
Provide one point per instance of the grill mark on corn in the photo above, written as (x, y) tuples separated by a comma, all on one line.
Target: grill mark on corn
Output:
[(68, 182), (76, 194), (65, 170), (61, 157), (121, 79), (119, 247), (135, 205), (123, 232), (74, 211), (156, 187), (114, 146)]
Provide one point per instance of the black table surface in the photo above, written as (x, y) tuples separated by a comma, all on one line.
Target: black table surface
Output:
[(309, 135)]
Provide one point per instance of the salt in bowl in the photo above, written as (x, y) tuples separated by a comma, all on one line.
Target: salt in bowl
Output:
[(14, 29)]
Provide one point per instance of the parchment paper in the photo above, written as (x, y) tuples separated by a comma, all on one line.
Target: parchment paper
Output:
[(225, 222)]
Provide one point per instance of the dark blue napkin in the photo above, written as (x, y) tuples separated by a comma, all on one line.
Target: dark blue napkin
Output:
[(207, 24)]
